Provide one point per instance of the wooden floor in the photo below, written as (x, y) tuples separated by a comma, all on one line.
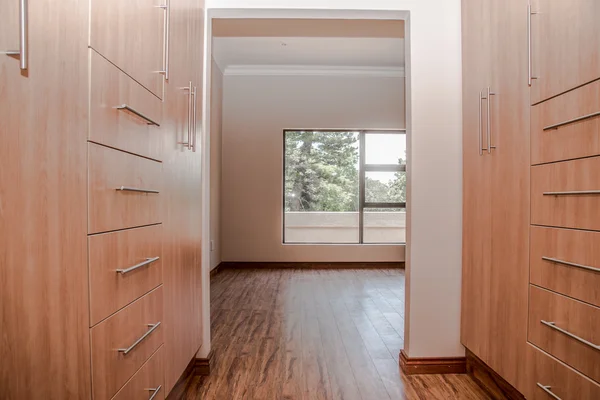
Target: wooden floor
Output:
[(313, 334)]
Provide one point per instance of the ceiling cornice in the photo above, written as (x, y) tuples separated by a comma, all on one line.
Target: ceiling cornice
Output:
[(312, 70)]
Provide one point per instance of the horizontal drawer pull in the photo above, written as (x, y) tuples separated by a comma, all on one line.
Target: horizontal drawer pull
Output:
[(572, 193), (569, 334), (155, 392), (125, 107), (586, 267), (571, 121), (136, 266), (548, 390), (152, 327), (132, 189)]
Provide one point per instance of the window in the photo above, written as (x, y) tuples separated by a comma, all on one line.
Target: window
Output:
[(344, 186)]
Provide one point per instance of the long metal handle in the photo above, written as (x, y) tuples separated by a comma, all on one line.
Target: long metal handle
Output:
[(133, 189), (572, 193), (571, 335), (479, 127), (155, 392), (530, 76), (136, 266), (190, 101), (571, 264), (194, 120), (152, 327), (125, 107), (489, 120), (23, 37), (548, 391), (570, 121), (167, 37)]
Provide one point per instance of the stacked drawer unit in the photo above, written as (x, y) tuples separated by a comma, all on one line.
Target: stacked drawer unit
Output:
[(564, 302), (124, 193)]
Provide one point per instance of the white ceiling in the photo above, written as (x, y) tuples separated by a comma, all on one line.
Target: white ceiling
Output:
[(308, 51)]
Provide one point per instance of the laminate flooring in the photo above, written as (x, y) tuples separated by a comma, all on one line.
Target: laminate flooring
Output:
[(313, 334)]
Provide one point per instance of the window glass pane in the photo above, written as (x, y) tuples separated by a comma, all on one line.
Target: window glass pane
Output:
[(385, 187), (321, 187), (385, 148), (384, 225)]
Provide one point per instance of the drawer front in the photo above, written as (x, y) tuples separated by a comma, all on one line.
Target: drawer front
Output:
[(130, 34), (111, 208), (124, 265), (567, 126), (567, 329), (562, 381), (566, 261), (147, 381), (565, 42), (118, 127), (111, 366), (566, 194)]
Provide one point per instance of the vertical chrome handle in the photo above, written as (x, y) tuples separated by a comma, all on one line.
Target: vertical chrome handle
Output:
[(479, 125), (167, 36), (548, 391), (188, 144), (489, 120), (23, 39), (194, 120), (530, 76)]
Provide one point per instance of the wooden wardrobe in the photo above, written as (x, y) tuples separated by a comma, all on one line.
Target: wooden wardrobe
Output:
[(100, 180), (531, 194)]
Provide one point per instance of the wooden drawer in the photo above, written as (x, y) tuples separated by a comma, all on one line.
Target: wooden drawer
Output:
[(560, 194), (114, 279), (563, 381), (111, 367), (130, 34), (150, 376), (111, 208), (567, 253), (122, 128), (567, 329), (565, 42), (567, 126)]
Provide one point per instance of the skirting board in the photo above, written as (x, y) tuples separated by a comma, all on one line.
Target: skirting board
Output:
[(196, 367), (495, 386), (203, 366), (308, 265), (418, 366)]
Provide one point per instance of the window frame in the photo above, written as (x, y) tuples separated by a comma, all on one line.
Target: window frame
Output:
[(363, 168)]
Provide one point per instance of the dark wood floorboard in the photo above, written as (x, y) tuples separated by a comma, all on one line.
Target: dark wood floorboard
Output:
[(304, 334)]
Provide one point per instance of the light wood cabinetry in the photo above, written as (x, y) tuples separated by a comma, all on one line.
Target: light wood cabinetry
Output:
[(496, 185), (130, 34), (565, 43), (44, 350), (147, 381)]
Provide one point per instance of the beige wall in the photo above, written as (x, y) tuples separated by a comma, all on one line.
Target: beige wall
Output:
[(256, 110), (216, 99)]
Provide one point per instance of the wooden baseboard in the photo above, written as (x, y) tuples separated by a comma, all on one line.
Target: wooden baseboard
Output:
[(490, 381), (203, 366), (217, 269), (309, 265), (418, 366)]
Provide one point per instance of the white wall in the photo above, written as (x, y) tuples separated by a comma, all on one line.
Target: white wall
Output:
[(216, 109), (256, 110), (434, 153)]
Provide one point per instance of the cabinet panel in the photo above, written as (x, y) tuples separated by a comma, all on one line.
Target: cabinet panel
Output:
[(44, 350), (150, 376), (130, 34), (565, 43), (566, 194), (476, 250), (566, 246), (568, 315)]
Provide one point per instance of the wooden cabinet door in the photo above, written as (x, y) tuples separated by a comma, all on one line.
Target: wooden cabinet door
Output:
[(44, 315), (182, 202), (476, 179), (565, 43), (510, 190)]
